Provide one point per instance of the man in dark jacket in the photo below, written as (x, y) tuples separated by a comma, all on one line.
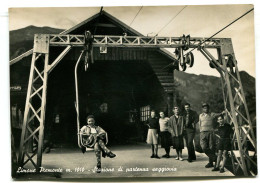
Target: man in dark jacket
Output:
[(190, 120)]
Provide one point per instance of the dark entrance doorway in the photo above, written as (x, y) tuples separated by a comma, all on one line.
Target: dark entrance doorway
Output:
[(113, 91)]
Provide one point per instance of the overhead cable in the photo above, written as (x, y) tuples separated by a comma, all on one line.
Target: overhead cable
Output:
[(222, 29), (215, 33), (171, 20), (135, 16)]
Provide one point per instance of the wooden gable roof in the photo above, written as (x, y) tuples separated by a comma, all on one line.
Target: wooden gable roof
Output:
[(93, 19)]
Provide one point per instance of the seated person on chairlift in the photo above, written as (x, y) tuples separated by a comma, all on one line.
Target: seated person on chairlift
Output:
[(94, 137)]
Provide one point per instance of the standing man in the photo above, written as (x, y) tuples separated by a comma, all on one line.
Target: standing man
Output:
[(152, 135), (190, 120), (207, 139)]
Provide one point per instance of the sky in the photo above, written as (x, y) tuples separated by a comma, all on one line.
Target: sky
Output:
[(193, 20)]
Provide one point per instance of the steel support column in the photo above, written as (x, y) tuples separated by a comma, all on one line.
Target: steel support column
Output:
[(34, 115), (236, 107), (35, 107)]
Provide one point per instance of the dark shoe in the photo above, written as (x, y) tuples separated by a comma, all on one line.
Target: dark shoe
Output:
[(111, 155), (222, 170), (189, 160), (47, 150), (98, 168), (104, 154), (215, 169), (152, 156), (209, 165), (157, 157), (83, 149), (165, 156), (194, 159)]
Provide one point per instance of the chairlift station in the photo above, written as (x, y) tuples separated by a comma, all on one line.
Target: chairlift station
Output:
[(119, 72)]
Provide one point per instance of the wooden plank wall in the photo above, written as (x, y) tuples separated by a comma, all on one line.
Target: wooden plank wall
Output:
[(121, 54)]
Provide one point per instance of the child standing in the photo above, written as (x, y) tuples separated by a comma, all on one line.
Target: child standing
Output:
[(94, 137), (224, 132), (152, 135), (164, 134)]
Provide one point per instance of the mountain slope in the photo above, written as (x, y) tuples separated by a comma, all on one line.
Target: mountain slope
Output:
[(21, 40), (197, 89)]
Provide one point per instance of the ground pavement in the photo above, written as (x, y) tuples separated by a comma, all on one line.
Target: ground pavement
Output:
[(131, 161)]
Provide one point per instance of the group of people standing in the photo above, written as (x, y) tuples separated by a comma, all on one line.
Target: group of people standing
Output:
[(172, 131), (179, 127)]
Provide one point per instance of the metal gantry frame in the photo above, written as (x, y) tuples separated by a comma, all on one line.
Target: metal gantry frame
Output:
[(226, 64), (236, 107)]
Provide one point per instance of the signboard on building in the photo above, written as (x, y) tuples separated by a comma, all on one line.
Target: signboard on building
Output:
[(16, 88)]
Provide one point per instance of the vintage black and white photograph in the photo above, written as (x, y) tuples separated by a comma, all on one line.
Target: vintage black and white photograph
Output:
[(132, 91)]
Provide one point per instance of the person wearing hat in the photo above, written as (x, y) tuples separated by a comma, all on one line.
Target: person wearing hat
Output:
[(207, 125), (94, 137)]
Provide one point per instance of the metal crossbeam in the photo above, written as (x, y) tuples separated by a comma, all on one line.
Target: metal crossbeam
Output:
[(132, 41), (63, 40), (162, 42)]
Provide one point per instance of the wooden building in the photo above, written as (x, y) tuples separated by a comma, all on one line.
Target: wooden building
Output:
[(120, 88)]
